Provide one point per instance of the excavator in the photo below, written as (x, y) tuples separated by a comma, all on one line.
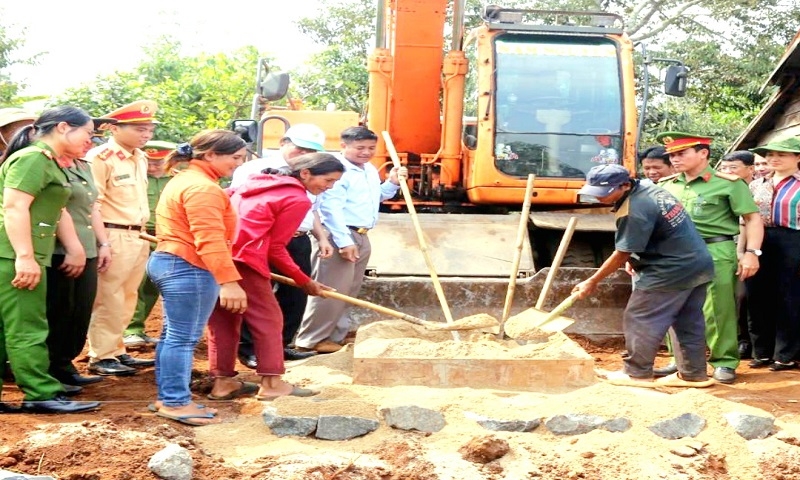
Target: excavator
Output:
[(543, 92)]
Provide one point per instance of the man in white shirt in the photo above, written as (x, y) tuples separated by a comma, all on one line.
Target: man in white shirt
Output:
[(348, 211), (298, 140)]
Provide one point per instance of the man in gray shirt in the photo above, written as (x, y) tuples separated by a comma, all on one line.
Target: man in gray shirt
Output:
[(657, 237)]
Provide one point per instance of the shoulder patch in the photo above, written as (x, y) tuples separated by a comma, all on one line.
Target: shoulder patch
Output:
[(668, 178), (727, 176), (47, 153), (105, 154)]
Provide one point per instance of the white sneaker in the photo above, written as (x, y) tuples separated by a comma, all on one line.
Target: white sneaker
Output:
[(134, 340)]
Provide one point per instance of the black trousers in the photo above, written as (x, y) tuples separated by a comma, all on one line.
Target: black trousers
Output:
[(69, 309), (773, 297), (291, 300)]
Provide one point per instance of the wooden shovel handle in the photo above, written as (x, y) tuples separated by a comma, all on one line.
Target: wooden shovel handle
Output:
[(354, 301)]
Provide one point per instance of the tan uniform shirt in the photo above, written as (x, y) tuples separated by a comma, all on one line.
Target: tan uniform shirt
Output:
[(121, 180)]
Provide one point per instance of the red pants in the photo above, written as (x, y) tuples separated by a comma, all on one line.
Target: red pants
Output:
[(265, 321)]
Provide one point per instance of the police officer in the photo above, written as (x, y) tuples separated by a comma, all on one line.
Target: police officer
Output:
[(119, 169), (33, 192), (157, 178), (715, 201)]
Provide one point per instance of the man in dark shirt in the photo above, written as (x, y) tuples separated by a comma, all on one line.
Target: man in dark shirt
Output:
[(673, 268)]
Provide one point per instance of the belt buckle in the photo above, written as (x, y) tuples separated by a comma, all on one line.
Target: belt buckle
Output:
[(362, 230)]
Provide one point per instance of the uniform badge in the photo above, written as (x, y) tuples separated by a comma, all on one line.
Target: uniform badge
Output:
[(121, 155), (122, 177), (105, 154), (667, 140)]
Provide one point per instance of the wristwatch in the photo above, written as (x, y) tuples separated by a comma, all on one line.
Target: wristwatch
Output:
[(754, 251)]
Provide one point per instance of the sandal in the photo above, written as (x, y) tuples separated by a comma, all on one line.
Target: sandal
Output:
[(245, 388), (187, 419), (296, 392)]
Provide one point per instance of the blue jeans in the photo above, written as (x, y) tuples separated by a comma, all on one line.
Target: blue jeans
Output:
[(189, 295)]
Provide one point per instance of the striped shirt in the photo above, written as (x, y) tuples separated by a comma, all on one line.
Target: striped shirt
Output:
[(779, 205)]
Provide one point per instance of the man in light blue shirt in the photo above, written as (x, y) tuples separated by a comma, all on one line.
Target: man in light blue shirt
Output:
[(348, 211), (298, 140)]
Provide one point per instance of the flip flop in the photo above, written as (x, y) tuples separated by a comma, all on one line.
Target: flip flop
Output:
[(246, 388), (152, 407), (625, 380), (296, 392), (675, 380), (186, 419)]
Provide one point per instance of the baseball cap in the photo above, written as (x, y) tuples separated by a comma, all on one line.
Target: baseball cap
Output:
[(306, 135), (788, 144), (604, 179)]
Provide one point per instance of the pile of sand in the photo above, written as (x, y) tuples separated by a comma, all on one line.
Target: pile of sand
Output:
[(717, 452)]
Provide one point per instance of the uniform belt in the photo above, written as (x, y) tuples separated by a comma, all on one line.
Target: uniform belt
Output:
[(122, 227), (718, 238), (361, 230), (151, 231), (300, 233)]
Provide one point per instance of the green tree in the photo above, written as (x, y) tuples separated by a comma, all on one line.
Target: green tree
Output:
[(10, 42), (193, 93)]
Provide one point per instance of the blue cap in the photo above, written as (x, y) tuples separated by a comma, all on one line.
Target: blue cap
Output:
[(604, 179)]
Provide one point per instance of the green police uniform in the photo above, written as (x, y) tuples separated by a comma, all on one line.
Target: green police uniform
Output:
[(148, 293), (715, 201), (23, 320)]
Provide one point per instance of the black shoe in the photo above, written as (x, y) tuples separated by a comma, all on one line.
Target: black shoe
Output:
[(292, 354), (130, 361), (745, 350), (59, 404), (724, 375), (760, 362), (665, 371), (248, 361), (111, 367), (76, 379), (8, 408), (779, 366), (71, 390)]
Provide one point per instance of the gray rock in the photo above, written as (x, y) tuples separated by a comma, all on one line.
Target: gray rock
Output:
[(750, 427), (686, 425), (173, 462), (337, 427), (620, 424), (573, 424), (510, 425), (7, 475), (411, 417), (285, 426)]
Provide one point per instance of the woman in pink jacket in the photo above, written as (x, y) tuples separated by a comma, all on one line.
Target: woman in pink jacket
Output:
[(270, 209)]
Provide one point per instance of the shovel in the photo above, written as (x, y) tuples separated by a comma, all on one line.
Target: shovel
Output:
[(466, 323), (530, 323)]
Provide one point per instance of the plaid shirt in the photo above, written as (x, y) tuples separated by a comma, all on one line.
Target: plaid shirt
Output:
[(779, 205)]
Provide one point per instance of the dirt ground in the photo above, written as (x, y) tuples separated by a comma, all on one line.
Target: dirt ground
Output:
[(116, 442)]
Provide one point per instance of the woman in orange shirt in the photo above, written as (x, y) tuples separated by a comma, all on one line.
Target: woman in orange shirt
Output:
[(192, 265)]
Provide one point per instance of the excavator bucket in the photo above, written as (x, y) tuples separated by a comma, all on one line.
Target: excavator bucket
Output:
[(473, 256)]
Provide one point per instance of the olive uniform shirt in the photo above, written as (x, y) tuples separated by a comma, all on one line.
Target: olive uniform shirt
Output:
[(155, 185), (79, 206), (33, 170), (714, 200), (121, 180)]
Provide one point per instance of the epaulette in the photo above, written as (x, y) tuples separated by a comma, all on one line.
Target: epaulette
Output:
[(727, 176), (47, 153), (105, 154), (670, 177)]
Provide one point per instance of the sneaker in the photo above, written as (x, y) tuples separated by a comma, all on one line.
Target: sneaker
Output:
[(134, 340)]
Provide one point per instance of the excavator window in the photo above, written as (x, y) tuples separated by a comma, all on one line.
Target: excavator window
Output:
[(558, 108)]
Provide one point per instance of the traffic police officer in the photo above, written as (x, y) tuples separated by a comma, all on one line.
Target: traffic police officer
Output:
[(156, 152), (119, 169), (715, 201)]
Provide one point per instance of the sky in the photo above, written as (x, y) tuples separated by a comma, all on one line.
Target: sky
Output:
[(80, 40)]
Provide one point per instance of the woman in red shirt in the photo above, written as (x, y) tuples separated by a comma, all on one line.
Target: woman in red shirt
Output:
[(192, 265), (270, 209)]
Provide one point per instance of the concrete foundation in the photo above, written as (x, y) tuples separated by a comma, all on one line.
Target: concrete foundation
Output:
[(390, 353)]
